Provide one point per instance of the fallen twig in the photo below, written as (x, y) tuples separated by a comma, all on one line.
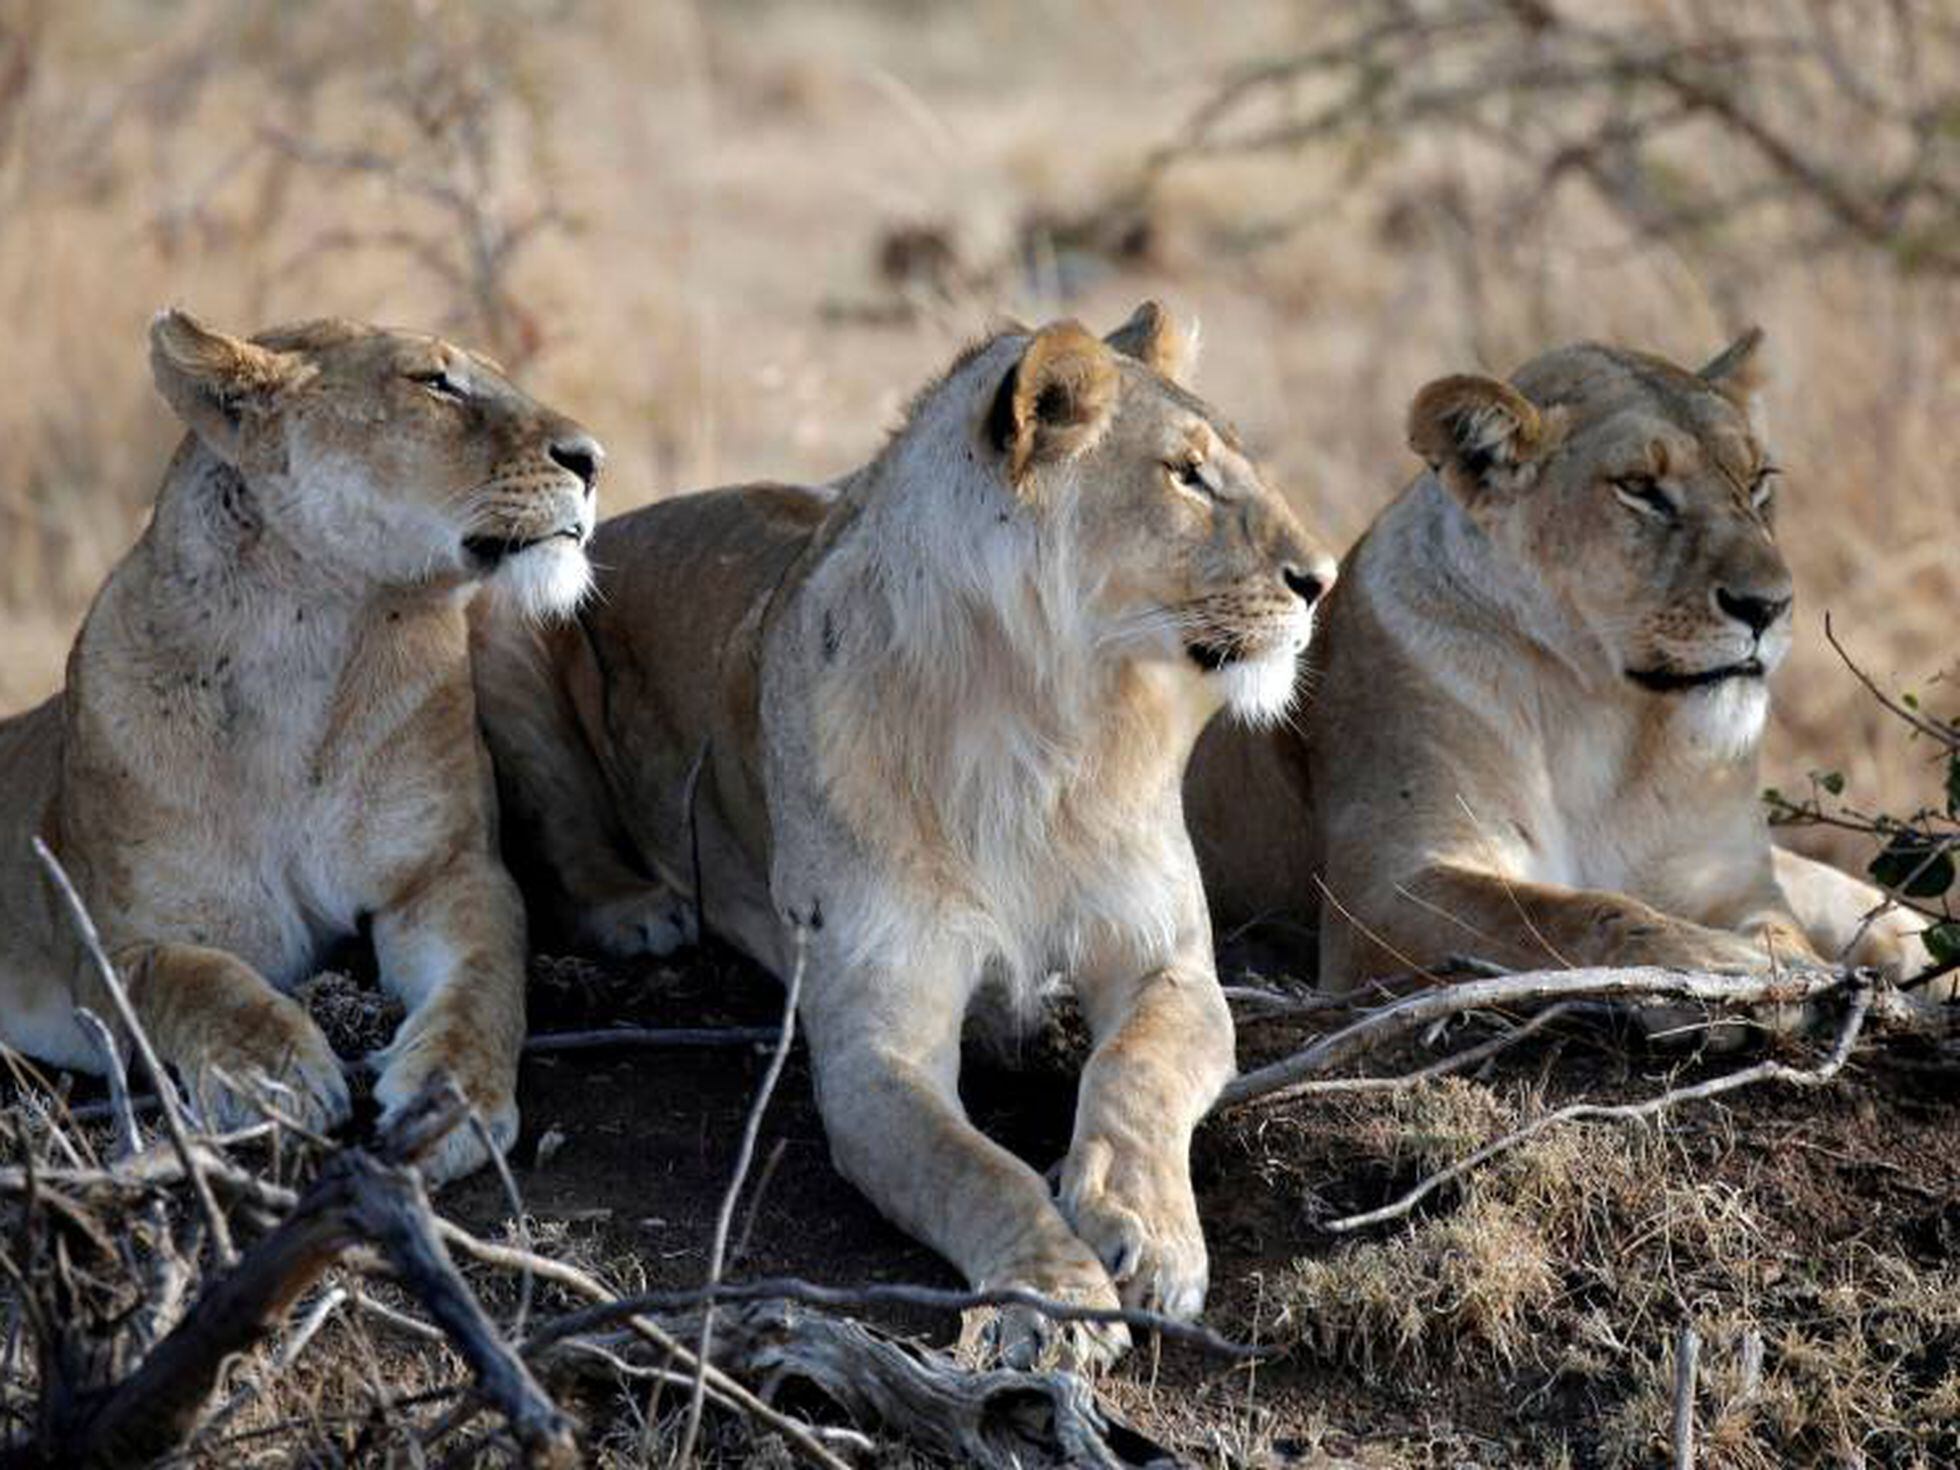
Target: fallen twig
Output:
[(725, 1216), (545, 1043), (1456, 1062), (1768, 1071), (1411, 1013), (652, 1036), (173, 1121)]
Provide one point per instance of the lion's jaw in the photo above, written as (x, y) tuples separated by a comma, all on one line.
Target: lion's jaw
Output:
[(1259, 690)]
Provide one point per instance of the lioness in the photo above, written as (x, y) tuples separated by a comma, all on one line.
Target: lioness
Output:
[(1539, 696), (933, 720), (268, 736)]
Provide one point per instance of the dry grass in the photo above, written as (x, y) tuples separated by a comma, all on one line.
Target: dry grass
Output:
[(1568, 1268)]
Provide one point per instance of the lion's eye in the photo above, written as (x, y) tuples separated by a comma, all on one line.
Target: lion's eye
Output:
[(1643, 493), (1761, 491), (440, 383), (1196, 476)]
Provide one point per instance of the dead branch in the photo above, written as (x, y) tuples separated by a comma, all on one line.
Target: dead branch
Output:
[(545, 1043), (1856, 1012), (1390, 1023), (884, 1294), (800, 1435), (651, 1036), (997, 1420), (358, 1198), (1470, 1056)]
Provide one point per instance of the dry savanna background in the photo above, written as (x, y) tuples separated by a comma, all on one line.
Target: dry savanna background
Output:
[(732, 239)]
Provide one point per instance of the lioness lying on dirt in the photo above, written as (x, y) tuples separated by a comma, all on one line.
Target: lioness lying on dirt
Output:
[(929, 724), (268, 737), (1538, 700)]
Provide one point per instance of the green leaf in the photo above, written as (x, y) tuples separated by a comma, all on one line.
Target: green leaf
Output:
[(1909, 700), (1832, 781), (1942, 942), (1913, 863), (1953, 784)]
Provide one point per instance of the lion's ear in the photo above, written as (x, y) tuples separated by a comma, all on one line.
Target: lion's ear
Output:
[(1055, 402), (1478, 434), (1153, 337), (1736, 372), (211, 381)]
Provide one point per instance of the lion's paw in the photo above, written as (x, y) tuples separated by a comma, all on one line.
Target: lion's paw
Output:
[(283, 1060), (652, 921), (1137, 1213), (1029, 1339), (462, 1150), (1891, 944)]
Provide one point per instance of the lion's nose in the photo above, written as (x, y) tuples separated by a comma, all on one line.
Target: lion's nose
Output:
[(1309, 583), (581, 454), (1752, 609)]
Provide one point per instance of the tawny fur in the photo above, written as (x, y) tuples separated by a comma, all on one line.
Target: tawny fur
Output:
[(267, 740), (938, 715), (1475, 770)]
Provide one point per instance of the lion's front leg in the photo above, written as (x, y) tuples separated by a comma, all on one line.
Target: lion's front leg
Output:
[(1164, 1048), (452, 949), (225, 1029), (1453, 908), (885, 1050)]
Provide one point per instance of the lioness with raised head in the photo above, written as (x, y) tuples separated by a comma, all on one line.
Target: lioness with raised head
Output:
[(268, 735), (1539, 696), (933, 719)]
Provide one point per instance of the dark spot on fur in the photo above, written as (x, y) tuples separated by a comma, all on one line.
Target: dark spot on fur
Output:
[(829, 637), (1477, 462), (816, 914)]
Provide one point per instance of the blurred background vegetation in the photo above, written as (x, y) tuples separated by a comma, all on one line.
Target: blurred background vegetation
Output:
[(733, 237)]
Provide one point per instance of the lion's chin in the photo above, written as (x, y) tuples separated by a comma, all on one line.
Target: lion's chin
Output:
[(1259, 691), (545, 580)]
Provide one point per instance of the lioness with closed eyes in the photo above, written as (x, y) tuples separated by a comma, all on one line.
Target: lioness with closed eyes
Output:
[(268, 738), (1538, 698)]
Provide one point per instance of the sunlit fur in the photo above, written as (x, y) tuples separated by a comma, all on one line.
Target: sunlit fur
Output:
[(268, 738), (937, 713), (1537, 726)]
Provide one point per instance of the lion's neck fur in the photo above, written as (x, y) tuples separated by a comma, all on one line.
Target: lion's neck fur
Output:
[(974, 727), (215, 599)]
